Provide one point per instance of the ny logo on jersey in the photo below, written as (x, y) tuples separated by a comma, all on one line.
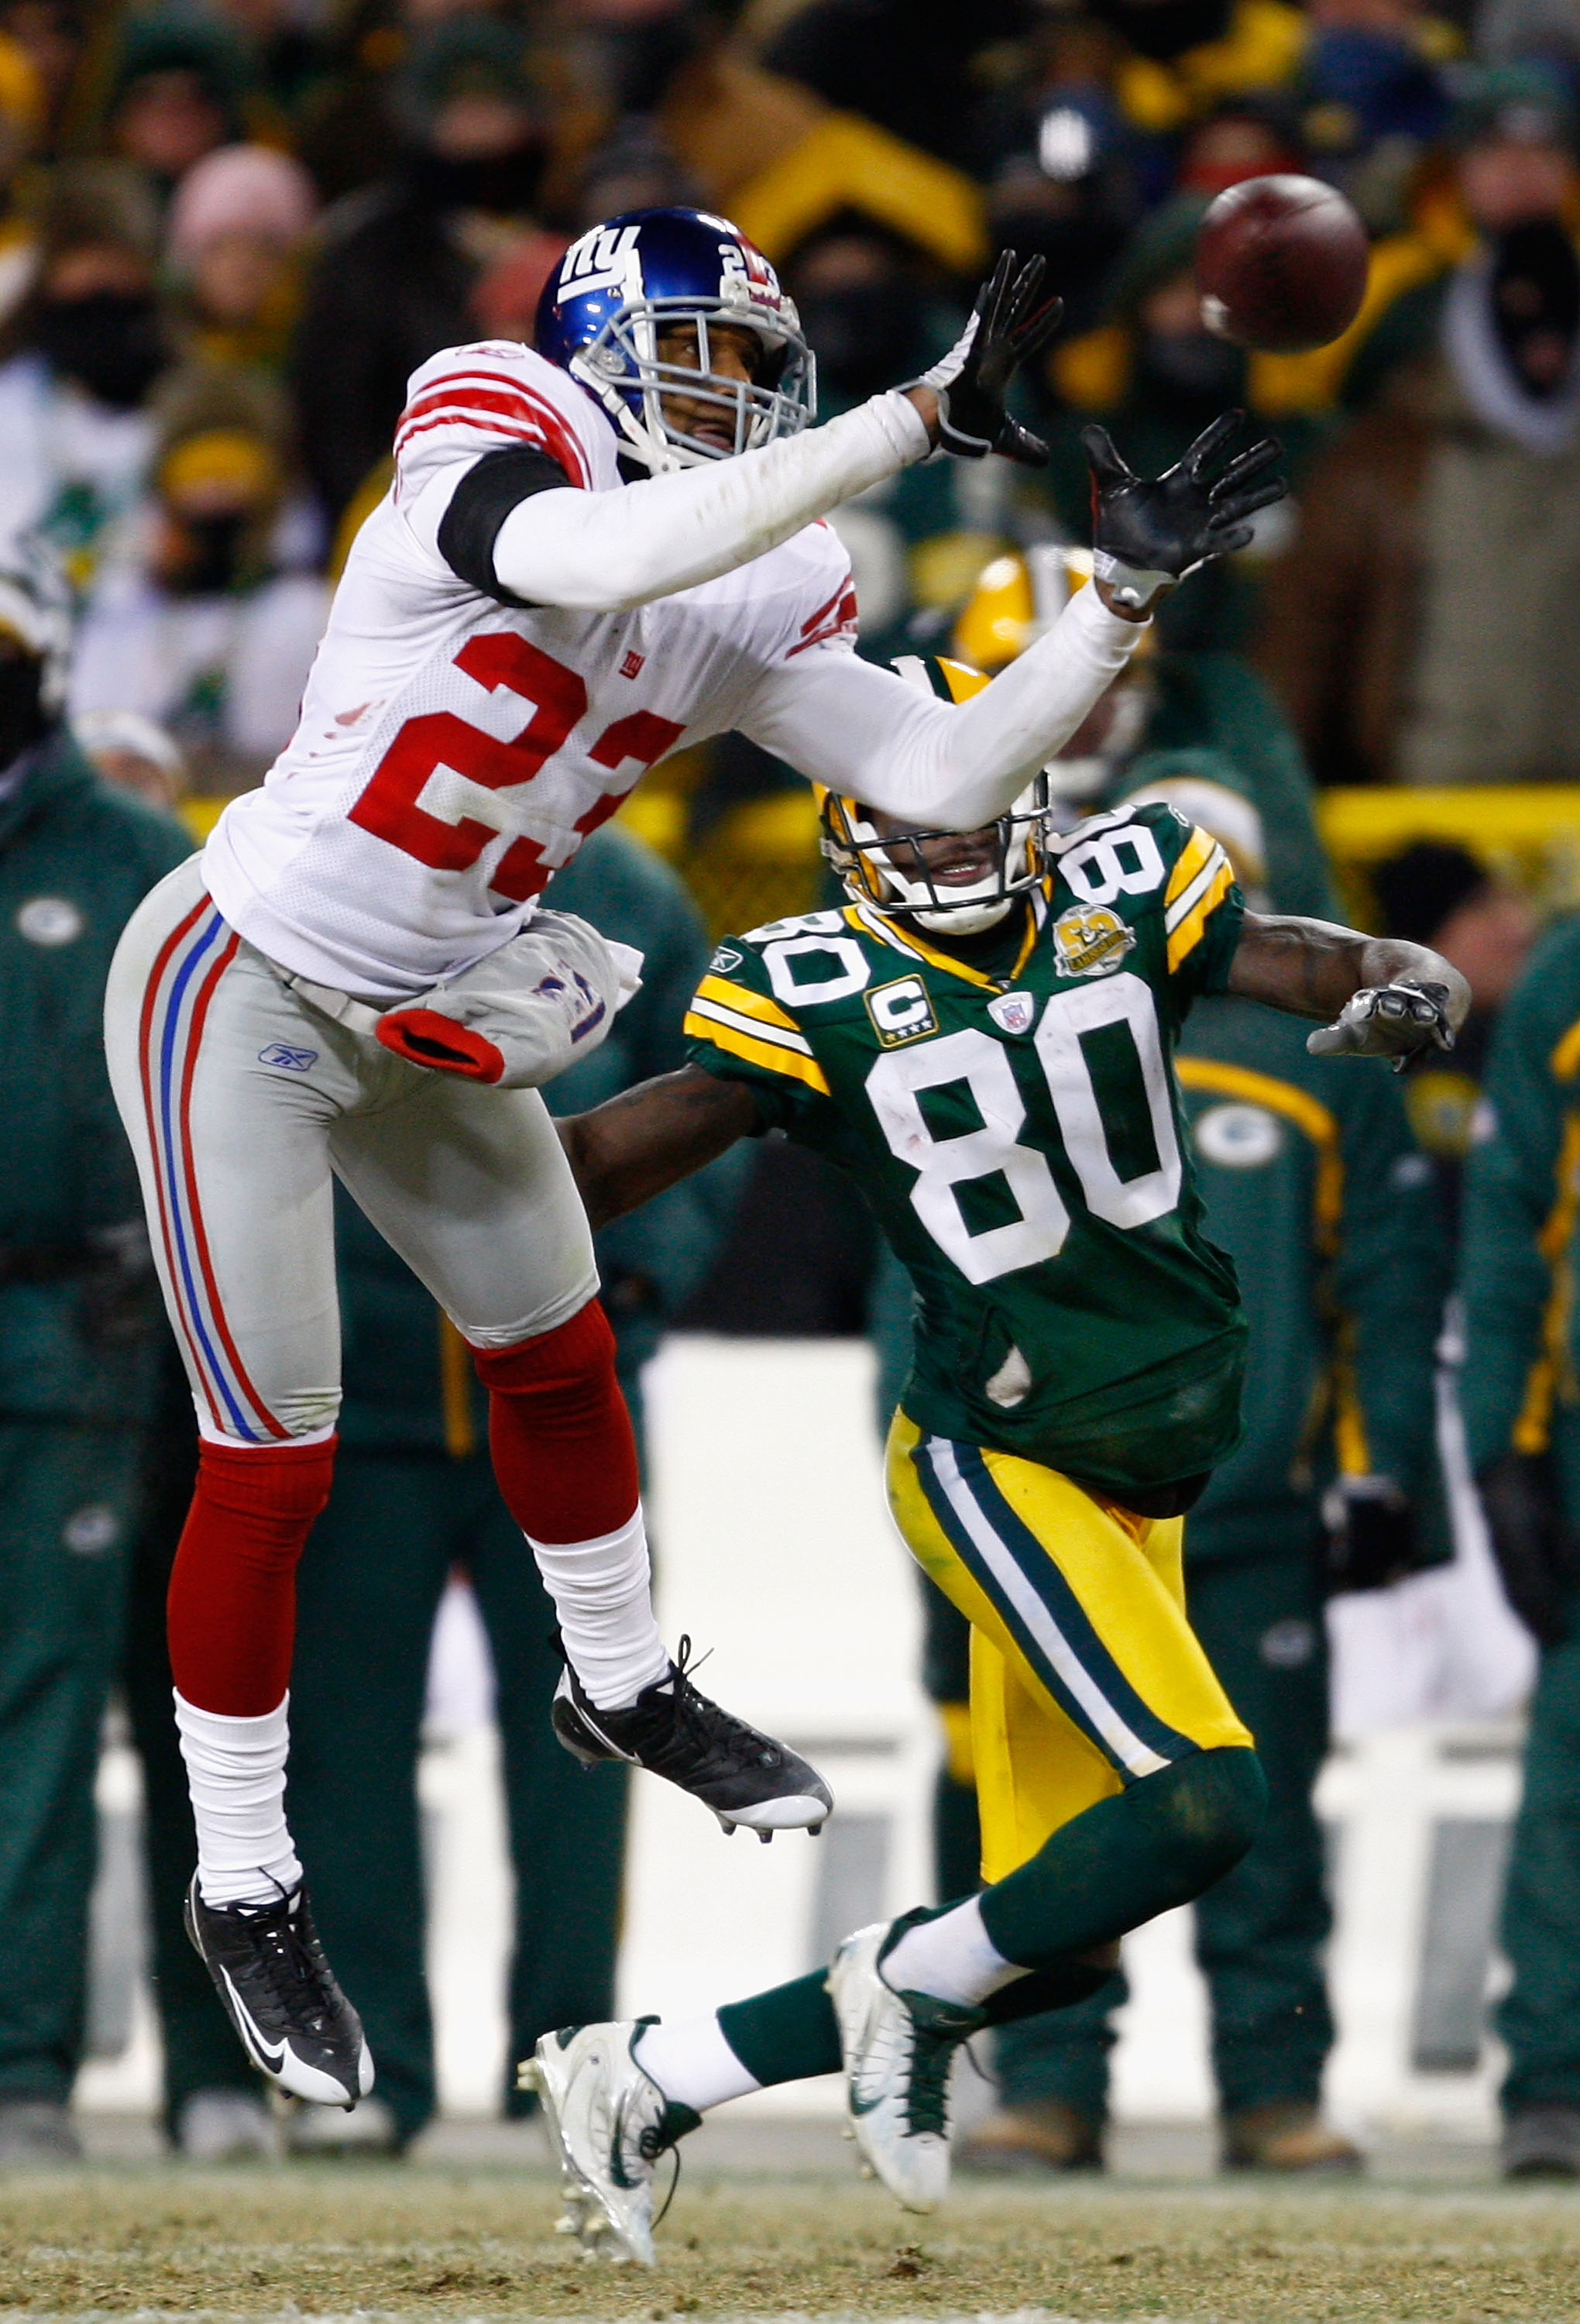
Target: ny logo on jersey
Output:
[(607, 259)]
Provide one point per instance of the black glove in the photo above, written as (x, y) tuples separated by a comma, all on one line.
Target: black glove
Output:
[(1371, 1534), (1148, 535), (1010, 322), (1401, 1021), (1535, 1550)]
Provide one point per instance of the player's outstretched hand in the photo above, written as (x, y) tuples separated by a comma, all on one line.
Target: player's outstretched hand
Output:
[(1388, 1020), (1147, 534), (1010, 321)]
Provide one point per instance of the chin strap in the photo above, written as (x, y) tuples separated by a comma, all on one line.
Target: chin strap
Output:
[(981, 917)]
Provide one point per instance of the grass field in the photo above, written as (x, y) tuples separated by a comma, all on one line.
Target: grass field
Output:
[(435, 2241)]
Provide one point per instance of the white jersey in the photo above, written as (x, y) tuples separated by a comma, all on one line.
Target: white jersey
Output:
[(452, 753)]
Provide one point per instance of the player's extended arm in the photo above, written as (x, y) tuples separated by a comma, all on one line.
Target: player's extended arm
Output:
[(630, 1148), (603, 552), (861, 730), (1381, 996)]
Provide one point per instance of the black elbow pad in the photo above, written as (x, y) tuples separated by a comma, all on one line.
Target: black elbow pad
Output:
[(479, 503)]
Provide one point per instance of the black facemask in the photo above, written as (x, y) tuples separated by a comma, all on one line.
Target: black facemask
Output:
[(863, 337), (1193, 368), (1536, 305), (22, 719), (214, 561), (504, 184), (108, 343)]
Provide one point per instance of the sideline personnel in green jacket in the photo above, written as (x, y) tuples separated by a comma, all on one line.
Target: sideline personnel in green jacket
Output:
[(80, 1335), (414, 1499), (1521, 1412)]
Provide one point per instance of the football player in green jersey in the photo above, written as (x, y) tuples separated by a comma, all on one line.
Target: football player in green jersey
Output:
[(983, 1037)]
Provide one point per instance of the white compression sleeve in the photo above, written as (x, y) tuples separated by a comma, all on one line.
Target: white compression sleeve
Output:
[(597, 552), (863, 731), (236, 1770), (602, 1592)]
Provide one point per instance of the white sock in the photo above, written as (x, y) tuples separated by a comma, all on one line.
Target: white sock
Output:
[(693, 2064), (602, 1592), (236, 1770), (952, 1957)]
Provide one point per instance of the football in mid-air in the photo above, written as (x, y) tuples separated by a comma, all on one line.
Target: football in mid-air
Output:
[(1281, 264)]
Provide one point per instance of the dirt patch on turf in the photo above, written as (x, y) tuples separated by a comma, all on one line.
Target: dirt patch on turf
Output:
[(336, 2242)]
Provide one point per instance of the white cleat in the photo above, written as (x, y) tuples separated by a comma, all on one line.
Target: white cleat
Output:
[(610, 2123), (899, 2049)]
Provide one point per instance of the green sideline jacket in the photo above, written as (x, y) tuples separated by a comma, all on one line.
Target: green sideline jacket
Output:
[(79, 1307), (407, 1380), (1522, 1199), (1213, 718), (1313, 1182)]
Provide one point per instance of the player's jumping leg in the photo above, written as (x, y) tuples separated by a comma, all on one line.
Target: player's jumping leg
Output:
[(1116, 1782), (228, 1109), (470, 1186)]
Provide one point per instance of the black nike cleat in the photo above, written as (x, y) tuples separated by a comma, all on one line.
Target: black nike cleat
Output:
[(280, 1994), (674, 1731)]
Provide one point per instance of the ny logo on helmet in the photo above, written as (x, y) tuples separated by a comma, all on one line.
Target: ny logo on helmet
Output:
[(607, 259)]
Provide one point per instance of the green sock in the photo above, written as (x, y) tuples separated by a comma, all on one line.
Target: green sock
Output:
[(1156, 1844), (786, 2035), (1130, 1858)]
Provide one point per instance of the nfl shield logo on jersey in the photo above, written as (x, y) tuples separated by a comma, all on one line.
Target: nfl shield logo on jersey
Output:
[(1013, 1012), (1089, 940)]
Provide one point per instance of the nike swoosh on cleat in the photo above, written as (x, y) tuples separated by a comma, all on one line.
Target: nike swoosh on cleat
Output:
[(270, 2063)]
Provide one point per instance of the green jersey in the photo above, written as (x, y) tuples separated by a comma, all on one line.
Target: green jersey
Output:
[(1013, 1121)]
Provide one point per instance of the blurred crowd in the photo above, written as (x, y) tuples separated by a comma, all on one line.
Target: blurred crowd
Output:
[(230, 229), (228, 233)]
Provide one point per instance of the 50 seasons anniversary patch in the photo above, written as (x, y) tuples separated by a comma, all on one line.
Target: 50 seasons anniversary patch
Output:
[(1089, 940)]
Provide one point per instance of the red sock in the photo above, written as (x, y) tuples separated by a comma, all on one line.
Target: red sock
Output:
[(559, 1432), (231, 1612)]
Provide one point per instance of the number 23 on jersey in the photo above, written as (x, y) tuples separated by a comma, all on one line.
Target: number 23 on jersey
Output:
[(403, 799)]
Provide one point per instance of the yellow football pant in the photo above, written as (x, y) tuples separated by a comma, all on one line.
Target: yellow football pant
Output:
[(1084, 1674)]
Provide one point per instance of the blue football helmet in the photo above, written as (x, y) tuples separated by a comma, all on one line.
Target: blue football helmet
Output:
[(613, 292)]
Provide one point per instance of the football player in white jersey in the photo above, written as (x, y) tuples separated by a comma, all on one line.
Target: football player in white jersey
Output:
[(590, 553)]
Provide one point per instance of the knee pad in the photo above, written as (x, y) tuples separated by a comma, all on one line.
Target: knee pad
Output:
[(564, 1454), (1208, 1809)]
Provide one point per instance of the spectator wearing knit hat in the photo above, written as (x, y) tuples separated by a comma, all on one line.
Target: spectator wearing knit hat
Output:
[(204, 628), (77, 362), (178, 92), (233, 244), (1443, 532), (404, 268)]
